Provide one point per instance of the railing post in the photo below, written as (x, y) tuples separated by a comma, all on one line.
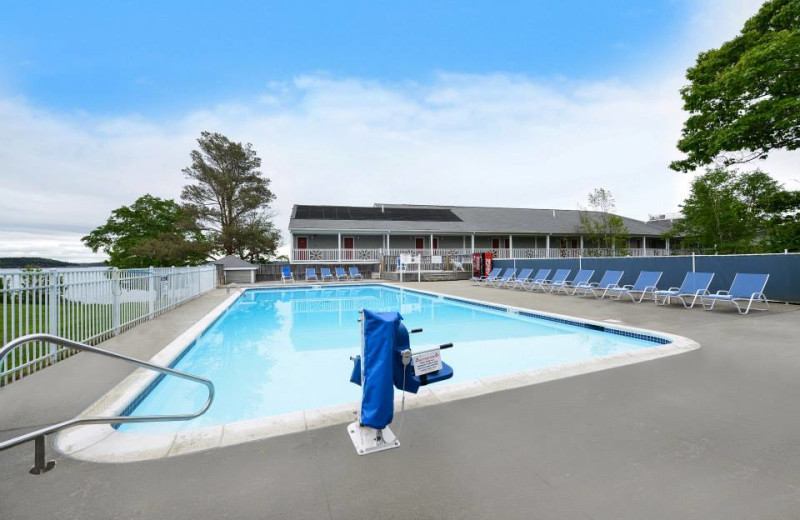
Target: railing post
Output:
[(53, 311), (40, 462), (115, 293), (151, 293)]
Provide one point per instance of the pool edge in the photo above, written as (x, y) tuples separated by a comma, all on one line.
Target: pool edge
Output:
[(102, 443)]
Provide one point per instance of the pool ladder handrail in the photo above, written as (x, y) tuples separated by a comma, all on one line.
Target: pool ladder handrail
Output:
[(40, 464)]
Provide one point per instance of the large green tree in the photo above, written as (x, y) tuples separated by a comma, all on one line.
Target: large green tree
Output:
[(602, 227), (231, 198), (728, 211), (150, 232), (744, 98)]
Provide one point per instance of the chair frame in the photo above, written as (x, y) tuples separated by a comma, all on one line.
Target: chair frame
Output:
[(595, 287), (354, 276), (522, 284), (316, 276), (339, 277), (323, 277), (754, 298), (569, 284), (545, 285), (628, 290), (283, 274), (666, 296)]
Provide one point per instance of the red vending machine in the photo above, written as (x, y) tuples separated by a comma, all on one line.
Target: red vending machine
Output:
[(481, 264), (477, 265)]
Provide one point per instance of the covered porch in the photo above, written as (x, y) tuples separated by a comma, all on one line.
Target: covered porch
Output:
[(371, 248)]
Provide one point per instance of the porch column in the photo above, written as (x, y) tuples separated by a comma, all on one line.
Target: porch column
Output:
[(667, 246), (472, 243), (388, 241), (339, 247), (510, 246), (547, 246), (581, 244), (431, 248), (644, 246)]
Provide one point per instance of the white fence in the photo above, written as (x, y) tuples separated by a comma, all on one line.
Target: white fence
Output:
[(86, 305), (353, 256)]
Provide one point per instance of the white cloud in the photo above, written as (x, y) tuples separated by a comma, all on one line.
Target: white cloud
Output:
[(492, 139)]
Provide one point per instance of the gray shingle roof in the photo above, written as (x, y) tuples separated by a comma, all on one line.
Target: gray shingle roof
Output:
[(480, 220), (234, 262)]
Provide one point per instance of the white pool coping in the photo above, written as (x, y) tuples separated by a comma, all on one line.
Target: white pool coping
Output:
[(102, 443)]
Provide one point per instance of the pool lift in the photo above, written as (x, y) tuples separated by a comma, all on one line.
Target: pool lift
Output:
[(386, 362)]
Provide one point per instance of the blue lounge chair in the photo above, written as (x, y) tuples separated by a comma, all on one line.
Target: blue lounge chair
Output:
[(558, 278), (694, 286), (647, 282), (506, 277), (599, 289), (539, 278), (340, 274), (286, 274), (354, 274), (746, 287), (581, 279), (311, 274), (520, 278), (477, 280), (326, 274)]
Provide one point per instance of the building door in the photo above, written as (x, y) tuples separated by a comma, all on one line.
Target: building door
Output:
[(302, 245), (419, 243), (349, 245), (435, 242), (495, 243)]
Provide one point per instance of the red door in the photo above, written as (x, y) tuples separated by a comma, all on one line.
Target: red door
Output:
[(495, 243), (420, 243), (436, 242), (349, 245), (302, 245)]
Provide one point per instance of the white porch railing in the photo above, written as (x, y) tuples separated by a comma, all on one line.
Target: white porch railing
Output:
[(85, 305), (312, 256)]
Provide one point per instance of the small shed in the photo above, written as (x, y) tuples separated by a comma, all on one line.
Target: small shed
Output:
[(237, 270)]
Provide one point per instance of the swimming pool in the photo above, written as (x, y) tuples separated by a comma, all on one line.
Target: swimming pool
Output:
[(277, 351)]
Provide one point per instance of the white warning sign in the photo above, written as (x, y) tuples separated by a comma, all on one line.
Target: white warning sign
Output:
[(427, 362)]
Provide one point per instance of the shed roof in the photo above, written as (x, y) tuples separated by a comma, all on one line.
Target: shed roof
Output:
[(234, 262)]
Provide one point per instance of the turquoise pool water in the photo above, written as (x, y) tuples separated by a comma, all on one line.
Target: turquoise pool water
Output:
[(279, 351)]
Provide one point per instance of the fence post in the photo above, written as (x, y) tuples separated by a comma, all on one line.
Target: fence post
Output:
[(151, 293), (693, 268), (53, 309), (116, 290)]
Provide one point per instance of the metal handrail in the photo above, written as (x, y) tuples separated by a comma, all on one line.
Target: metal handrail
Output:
[(40, 465)]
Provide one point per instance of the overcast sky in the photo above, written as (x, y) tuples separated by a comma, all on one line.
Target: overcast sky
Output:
[(526, 104)]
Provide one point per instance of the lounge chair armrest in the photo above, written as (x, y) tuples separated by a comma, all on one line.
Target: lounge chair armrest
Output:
[(630, 286), (674, 289), (722, 293), (701, 292), (593, 284), (652, 288)]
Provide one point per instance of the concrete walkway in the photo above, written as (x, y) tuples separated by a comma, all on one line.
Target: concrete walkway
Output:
[(714, 433)]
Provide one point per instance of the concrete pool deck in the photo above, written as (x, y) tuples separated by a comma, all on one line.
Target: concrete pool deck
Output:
[(712, 433)]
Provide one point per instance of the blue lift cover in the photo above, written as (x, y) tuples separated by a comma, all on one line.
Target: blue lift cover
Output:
[(377, 402)]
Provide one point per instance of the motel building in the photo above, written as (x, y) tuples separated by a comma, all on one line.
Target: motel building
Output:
[(445, 237)]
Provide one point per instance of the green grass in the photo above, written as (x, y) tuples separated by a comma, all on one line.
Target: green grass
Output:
[(78, 322)]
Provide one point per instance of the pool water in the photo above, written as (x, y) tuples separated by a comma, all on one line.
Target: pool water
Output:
[(279, 351)]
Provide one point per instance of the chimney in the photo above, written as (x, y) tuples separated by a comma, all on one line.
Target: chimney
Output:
[(382, 211), (554, 213)]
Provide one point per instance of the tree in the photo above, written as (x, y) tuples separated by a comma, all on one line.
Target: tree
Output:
[(728, 211), (783, 227), (600, 224), (744, 98), (230, 197), (150, 232)]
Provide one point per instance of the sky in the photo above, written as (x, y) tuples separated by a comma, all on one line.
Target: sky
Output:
[(498, 103)]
